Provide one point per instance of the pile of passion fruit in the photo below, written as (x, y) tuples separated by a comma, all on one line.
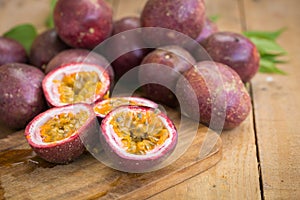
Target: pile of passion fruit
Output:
[(60, 91)]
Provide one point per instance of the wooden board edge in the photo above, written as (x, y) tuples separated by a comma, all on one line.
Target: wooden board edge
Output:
[(179, 176)]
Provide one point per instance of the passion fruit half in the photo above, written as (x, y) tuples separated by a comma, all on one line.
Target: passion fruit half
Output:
[(76, 83), (55, 134), (102, 108), (137, 139)]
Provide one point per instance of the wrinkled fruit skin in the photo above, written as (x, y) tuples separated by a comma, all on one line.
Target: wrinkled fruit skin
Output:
[(83, 23), (219, 91), (79, 56), (129, 60), (183, 16), (68, 150), (21, 94), (175, 57), (234, 50), (11, 51), (119, 161), (45, 47)]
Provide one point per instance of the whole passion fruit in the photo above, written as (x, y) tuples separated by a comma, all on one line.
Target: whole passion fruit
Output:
[(54, 135), (136, 139), (186, 17), (126, 42), (11, 51), (83, 23), (160, 82), (222, 98), (21, 94), (102, 108), (44, 47), (79, 56), (234, 50), (209, 27), (75, 83)]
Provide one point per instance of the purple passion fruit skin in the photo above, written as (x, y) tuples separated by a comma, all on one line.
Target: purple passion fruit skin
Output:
[(219, 90), (175, 57), (126, 41), (11, 51), (183, 16), (121, 154), (197, 51), (45, 47), (209, 28), (102, 108), (126, 23), (75, 83), (86, 28), (21, 94), (67, 149), (79, 56), (234, 50)]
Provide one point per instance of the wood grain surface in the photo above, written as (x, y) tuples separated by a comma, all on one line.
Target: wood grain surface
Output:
[(261, 158), (277, 101), (24, 175)]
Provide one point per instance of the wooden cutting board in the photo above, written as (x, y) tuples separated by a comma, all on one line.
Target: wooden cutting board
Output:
[(23, 175)]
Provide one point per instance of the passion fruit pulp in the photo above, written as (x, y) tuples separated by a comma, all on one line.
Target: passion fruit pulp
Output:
[(76, 83), (103, 107), (55, 134), (137, 139)]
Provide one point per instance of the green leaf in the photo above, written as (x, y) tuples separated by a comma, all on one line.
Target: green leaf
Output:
[(49, 20), (214, 18), (267, 66), (271, 35), (24, 34), (273, 58), (266, 46)]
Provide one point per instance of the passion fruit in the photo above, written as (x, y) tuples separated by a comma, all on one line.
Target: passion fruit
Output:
[(21, 94), (123, 42), (75, 83), (83, 23), (137, 139), (102, 108), (160, 82), (186, 17), (11, 51), (44, 47), (79, 56), (54, 135), (234, 50), (209, 27), (222, 98)]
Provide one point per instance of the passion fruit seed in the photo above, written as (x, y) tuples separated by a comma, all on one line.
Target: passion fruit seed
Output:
[(139, 132), (62, 126), (105, 108), (78, 87)]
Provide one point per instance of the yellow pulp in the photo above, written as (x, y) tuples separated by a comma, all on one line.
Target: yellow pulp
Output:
[(62, 126), (139, 132), (78, 87), (113, 103)]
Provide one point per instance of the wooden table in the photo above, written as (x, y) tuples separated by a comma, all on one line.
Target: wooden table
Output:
[(261, 158)]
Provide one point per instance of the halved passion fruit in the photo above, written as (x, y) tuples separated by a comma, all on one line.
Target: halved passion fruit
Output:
[(137, 139), (55, 134), (102, 108), (76, 83)]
